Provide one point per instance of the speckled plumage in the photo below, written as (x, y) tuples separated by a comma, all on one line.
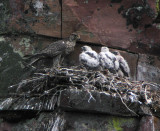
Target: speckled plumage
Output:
[(123, 65), (57, 49)]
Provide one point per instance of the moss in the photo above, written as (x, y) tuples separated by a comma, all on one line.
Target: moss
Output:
[(117, 123), (157, 6)]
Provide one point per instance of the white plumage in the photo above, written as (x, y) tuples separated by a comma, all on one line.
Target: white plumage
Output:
[(89, 58), (108, 60), (108, 53), (105, 62)]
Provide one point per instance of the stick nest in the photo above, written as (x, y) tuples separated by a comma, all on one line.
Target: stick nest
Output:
[(53, 82)]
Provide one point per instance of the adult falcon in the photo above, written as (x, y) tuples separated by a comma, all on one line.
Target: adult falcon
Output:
[(89, 58), (56, 50), (123, 65), (108, 60)]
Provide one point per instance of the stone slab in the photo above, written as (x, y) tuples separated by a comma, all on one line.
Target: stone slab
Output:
[(77, 121), (39, 103), (79, 100), (71, 121), (90, 121)]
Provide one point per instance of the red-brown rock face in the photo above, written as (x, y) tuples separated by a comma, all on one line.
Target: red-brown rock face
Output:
[(125, 24)]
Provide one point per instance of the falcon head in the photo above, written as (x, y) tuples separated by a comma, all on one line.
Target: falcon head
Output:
[(74, 37), (116, 53), (86, 48), (104, 49)]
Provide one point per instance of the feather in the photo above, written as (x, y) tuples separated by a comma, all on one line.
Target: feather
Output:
[(89, 58), (108, 60), (55, 50)]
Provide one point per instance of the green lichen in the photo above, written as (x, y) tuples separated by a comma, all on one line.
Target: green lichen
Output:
[(91, 35), (157, 6), (2, 39), (25, 42), (117, 123), (18, 51), (25, 47)]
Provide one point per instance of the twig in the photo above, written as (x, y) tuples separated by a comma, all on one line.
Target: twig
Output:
[(41, 74), (91, 97), (122, 100)]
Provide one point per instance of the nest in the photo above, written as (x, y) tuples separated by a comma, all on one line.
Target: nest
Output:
[(53, 82)]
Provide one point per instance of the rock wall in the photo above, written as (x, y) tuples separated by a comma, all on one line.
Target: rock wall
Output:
[(27, 26), (75, 110)]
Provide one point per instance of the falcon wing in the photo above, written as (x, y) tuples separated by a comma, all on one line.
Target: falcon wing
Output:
[(111, 56), (92, 54), (86, 58), (55, 48), (124, 67), (105, 61)]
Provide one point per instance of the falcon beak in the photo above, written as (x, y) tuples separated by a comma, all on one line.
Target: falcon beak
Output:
[(82, 48), (76, 36)]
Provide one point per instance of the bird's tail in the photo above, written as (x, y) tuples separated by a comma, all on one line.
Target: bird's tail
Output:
[(30, 64), (28, 56), (34, 61), (31, 56)]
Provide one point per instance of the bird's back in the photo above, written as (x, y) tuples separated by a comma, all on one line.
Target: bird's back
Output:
[(105, 61), (55, 48), (110, 56), (89, 58), (124, 67)]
